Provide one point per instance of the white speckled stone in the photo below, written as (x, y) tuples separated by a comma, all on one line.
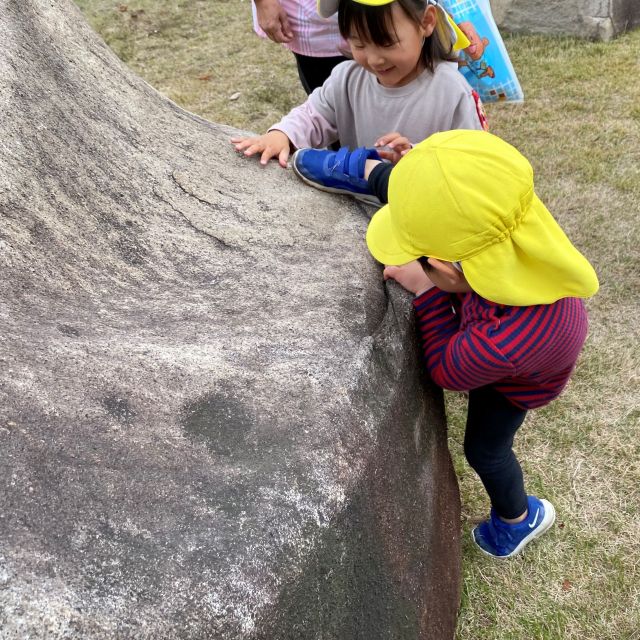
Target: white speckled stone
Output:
[(212, 420)]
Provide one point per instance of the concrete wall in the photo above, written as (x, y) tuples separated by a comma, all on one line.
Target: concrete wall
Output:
[(596, 19)]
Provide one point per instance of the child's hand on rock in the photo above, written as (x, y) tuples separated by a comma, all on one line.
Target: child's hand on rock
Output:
[(411, 276), (270, 145)]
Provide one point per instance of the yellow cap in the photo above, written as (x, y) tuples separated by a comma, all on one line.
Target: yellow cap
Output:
[(447, 28), (467, 196)]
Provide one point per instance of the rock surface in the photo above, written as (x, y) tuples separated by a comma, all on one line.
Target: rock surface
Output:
[(212, 420), (595, 19)]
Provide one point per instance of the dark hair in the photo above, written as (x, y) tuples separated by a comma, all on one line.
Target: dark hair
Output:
[(424, 263), (375, 24)]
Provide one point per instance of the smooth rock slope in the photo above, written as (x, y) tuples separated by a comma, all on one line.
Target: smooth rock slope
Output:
[(212, 419)]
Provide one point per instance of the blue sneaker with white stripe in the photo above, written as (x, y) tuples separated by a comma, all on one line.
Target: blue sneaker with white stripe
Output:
[(336, 171), (499, 539)]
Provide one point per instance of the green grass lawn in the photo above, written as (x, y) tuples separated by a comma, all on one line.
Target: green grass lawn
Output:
[(580, 127)]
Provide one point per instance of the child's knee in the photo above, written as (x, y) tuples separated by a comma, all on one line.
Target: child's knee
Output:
[(473, 455), (485, 458)]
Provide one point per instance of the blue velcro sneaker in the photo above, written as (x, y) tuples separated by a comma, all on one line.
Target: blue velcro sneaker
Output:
[(336, 171), (503, 540)]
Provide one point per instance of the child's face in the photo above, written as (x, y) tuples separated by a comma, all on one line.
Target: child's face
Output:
[(401, 62)]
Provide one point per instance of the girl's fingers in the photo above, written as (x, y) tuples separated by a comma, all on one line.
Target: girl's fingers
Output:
[(392, 156), (386, 139), (267, 154), (400, 142), (254, 148), (243, 143), (251, 146), (283, 156)]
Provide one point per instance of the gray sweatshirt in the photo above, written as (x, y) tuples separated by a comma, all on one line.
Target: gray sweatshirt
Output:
[(355, 108)]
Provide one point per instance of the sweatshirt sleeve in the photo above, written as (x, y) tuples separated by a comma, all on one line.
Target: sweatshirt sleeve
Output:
[(306, 127), (469, 112), (456, 359), (314, 123), (378, 181)]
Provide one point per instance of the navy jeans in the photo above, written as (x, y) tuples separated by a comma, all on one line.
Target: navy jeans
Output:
[(492, 422)]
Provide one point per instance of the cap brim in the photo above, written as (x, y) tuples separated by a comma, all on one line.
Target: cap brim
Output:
[(382, 240), (537, 265), (326, 8)]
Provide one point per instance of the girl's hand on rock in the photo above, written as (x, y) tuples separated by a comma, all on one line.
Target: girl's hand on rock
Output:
[(270, 145)]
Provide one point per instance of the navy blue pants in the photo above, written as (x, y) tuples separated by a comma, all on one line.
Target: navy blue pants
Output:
[(492, 422)]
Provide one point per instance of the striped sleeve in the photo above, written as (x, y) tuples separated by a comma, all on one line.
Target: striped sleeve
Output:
[(456, 359)]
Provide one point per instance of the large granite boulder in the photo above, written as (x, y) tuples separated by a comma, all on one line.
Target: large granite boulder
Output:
[(213, 422), (595, 19)]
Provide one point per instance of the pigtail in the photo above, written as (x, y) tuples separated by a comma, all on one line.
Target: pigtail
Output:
[(439, 45)]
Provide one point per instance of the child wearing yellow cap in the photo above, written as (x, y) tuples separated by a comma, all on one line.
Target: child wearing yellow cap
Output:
[(499, 291)]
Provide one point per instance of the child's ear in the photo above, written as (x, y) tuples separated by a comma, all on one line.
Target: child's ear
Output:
[(429, 19)]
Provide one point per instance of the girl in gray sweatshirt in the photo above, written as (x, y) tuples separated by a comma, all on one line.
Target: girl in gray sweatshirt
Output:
[(402, 85)]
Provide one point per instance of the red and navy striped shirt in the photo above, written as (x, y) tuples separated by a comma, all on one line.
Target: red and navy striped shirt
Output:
[(526, 353)]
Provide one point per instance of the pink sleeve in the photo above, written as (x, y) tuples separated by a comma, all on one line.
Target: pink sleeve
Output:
[(306, 127)]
